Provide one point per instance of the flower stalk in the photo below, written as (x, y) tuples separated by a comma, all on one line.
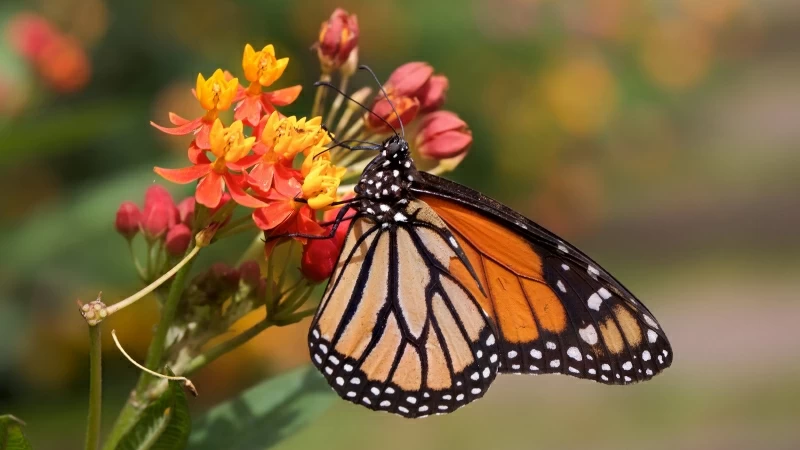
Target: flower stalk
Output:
[(93, 421)]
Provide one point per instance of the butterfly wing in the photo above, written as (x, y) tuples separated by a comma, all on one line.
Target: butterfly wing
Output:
[(556, 310), (395, 330)]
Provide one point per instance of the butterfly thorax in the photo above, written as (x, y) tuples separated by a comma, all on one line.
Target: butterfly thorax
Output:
[(383, 189)]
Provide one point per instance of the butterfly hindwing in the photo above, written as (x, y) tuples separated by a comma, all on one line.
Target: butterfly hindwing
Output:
[(395, 331)]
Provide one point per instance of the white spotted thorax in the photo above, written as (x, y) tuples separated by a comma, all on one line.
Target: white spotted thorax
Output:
[(383, 187)]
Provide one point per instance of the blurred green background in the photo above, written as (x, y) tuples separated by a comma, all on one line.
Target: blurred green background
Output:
[(657, 135)]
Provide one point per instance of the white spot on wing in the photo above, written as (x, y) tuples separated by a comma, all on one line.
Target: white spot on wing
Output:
[(650, 321), (588, 334), (652, 336), (593, 272), (594, 302), (536, 354), (574, 353), (561, 286)]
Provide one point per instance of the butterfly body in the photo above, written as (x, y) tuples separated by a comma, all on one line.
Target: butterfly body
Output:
[(438, 289)]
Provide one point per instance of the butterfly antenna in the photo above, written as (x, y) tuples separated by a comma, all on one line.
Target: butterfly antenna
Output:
[(328, 85), (402, 129)]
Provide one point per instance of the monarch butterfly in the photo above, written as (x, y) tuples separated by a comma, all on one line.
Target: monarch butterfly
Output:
[(439, 288)]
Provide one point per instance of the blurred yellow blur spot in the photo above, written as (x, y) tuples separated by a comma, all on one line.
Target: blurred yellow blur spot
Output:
[(676, 53), (711, 12), (581, 93)]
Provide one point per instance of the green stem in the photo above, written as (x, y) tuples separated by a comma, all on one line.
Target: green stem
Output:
[(319, 97), (95, 388), (203, 359), (183, 264), (136, 402), (156, 349), (337, 102)]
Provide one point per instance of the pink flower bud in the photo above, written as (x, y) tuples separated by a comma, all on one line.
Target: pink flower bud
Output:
[(186, 210), (406, 107), (128, 219), (432, 95), (157, 194), (319, 259), (250, 273), (178, 239), (157, 219), (408, 79), (338, 37), (443, 135)]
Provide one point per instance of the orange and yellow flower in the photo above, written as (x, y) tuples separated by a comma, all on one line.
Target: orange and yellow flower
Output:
[(262, 69), (215, 94), (229, 146)]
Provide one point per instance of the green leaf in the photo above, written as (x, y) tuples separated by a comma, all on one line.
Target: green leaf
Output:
[(264, 415), (11, 435), (164, 425)]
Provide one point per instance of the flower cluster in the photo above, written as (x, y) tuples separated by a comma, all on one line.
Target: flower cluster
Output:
[(287, 170)]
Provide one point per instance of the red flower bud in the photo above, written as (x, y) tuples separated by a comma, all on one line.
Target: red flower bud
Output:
[(443, 135), (186, 210), (406, 107), (178, 239), (250, 273), (338, 36), (408, 79), (225, 273), (157, 194), (432, 95), (319, 259), (128, 219), (157, 219)]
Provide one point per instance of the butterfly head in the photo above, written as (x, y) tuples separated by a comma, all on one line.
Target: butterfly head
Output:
[(395, 148)]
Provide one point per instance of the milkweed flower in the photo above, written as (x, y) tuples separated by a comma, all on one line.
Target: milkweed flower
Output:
[(215, 94), (262, 69), (280, 141), (338, 38), (321, 184), (229, 146)]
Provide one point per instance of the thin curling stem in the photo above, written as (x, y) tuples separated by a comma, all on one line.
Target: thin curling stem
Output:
[(186, 382)]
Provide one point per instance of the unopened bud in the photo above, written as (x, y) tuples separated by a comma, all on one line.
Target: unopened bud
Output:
[(128, 219)]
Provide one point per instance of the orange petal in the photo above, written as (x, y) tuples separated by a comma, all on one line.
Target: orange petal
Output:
[(202, 139), (273, 215), (209, 190), (244, 163), (235, 187), (197, 155), (248, 111), (282, 97), (177, 120), (183, 175), (180, 130)]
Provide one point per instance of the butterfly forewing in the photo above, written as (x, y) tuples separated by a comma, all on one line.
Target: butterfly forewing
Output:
[(395, 330), (556, 310)]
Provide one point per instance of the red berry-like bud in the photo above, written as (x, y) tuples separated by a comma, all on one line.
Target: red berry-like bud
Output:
[(408, 79), (157, 194), (178, 239), (128, 219), (319, 259), (186, 210), (406, 107), (157, 219), (338, 37), (250, 273), (432, 95), (443, 135)]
